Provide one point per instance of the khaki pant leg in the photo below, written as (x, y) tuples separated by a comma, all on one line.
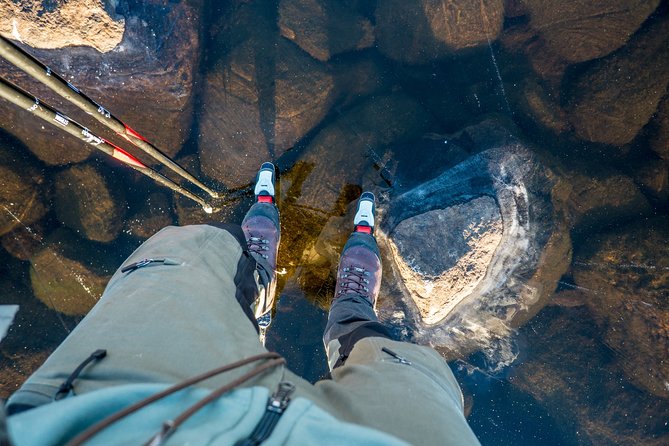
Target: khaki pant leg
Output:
[(159, 323), (419, 402)]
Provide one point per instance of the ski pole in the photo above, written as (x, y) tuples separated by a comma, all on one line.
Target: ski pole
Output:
[(25, 100), (33, 67)]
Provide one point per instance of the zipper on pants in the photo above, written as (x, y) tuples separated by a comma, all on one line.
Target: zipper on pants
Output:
[(399, 358), (146, 262)]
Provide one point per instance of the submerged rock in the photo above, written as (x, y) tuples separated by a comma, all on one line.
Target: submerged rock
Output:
[(568, 370), (154, 216), (47, 143), (324, 28), (359, 78), (543, 108), (449, 261), (544, 60), (160, 37), (43, 24), (598, 201), (559, 34), (264, 94), (257, 105), (89, 203), (475, 251), (419, 31), (580, 30), (627, 276), (346, 148), (62, 280), (24, 242), (616, 96), (21, 194)]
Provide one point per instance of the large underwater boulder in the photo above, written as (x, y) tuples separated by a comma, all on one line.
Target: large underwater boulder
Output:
[(146, 79), (597, 200), (346, 148), (541, 108), (555, 35), (258, 103), (475, 251)]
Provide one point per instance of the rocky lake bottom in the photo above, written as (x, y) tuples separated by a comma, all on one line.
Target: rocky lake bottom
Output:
[(518, 149)]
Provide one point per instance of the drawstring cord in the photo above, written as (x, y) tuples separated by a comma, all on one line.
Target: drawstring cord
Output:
[(68, 384), (168, 427)]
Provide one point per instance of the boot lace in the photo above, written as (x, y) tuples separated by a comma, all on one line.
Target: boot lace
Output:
[(353, 280), (258, 245)]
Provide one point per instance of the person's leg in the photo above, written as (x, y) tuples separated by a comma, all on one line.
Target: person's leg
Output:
[(185, 312), (352, 316), (162, 322), (261, 228), (397, 387)]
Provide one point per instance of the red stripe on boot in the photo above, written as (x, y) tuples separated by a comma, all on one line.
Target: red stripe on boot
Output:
[(365, 229), (265, 199)]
